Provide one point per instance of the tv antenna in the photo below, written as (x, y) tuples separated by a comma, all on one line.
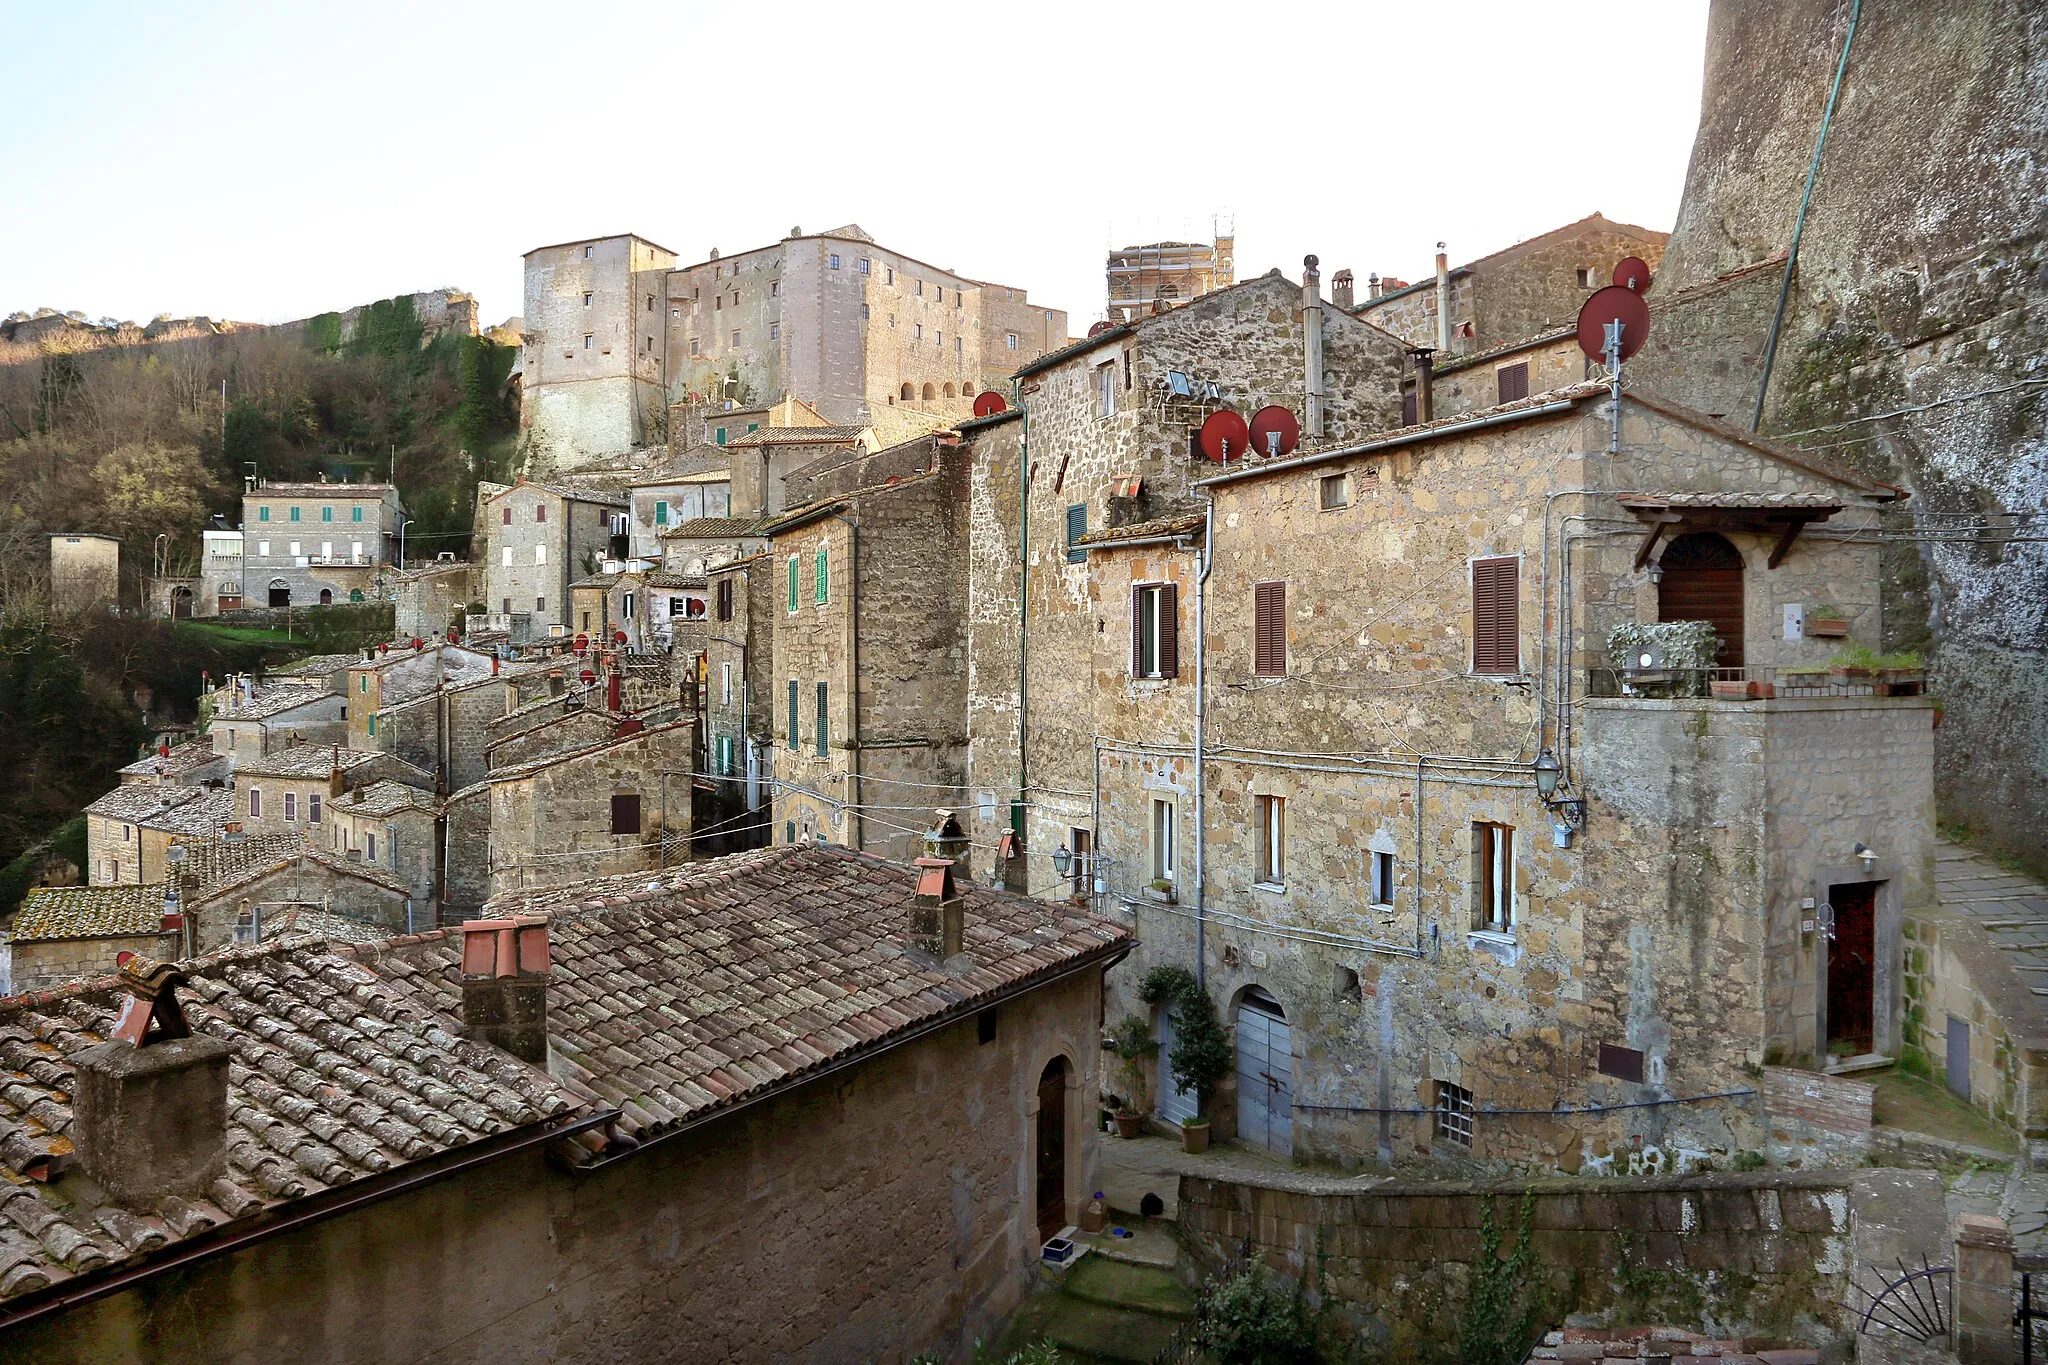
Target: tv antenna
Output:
[(1613, 325)]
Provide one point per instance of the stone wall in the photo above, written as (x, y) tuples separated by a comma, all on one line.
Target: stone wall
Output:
[(1762, 1254), (429, 599), (554, 823), (307, 882), (84, 570), (583, 401), (574, 729), (467, 874), (885, 1211), (1954, 970), (45, 964)]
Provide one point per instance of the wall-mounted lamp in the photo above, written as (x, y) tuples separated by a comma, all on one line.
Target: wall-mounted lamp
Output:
[(1062, 860), (1656, 572), (1868, 856), (1549, 772)]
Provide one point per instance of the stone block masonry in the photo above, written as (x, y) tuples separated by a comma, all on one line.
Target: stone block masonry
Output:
[(1815, 1119)]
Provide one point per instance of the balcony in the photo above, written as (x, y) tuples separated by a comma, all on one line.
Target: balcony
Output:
[(1757, 684)]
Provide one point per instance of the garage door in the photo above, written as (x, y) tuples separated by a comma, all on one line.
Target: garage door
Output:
[(1265, 1074), (1175, 1106)]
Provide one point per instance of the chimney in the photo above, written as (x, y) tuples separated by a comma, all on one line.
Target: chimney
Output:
[(938, 923), (1312, 345), (1443, 300), (1372, 287), (556, 684), (505, 969), (1340, 290), (150, 1105), (945, 839), (1423, 361)]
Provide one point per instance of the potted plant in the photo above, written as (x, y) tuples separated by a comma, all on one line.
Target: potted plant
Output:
[(1134, 1047), (1159, 889), (1854, 664), (1827, 619), (1903, 674), (1201, 1054)]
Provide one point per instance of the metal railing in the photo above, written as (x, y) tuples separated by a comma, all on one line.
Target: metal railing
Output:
[(1755, 683)]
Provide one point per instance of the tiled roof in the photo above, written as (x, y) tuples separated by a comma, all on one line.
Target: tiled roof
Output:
[(308, 760), (1823, 502), (662, 578), (340, 490), (183, 759), (304, 920), (219, 862), (214, 808), (336, 1075), (1184, 524), (797, 436), (272, 699), (720, 528), (52, 913), (369, 872), (316, 665), (135, 802), (808, 512), (563, 491), (657, 479), (677, 995), (383, 798)]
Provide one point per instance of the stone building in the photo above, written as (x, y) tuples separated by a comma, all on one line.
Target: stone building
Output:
[(1105, 439), (850, 325), (619, 805), (869, 646), (220, 569), (655, 610), (957, 1035), (433, 599), (291, 788), (318, 543), (664, 500), (129, 831), (739, 705), (394, 677), (539, 539), (188, 763), (248, 718), (1514, 293), (1149, 279), (1325, 801), (234, 909), (85, 570), (63, 933), (393, 827)]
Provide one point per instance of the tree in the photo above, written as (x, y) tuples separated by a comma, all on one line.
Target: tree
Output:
[(147, 490)]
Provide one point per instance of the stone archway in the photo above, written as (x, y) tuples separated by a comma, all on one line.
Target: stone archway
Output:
[(1702, 581)]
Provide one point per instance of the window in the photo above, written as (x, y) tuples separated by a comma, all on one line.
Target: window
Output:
[(821, 720), (263, 548), (540, 555), (295, 514), (1496, 641), (792, 715), (586, 298), (725, 684), (1512, 381), (792, 582), (1493, 856), (675, 315), (660, 512), (889, 274), (1382, 878), (735, 340), (1408, 408), (940, 296), (725, 599), (1454, 1113), (1162, 843), (589, 338), (540, 604), (863, 266), (918, 287), (255, 803), (291, 807), (313, 805), (1334, 491), (985, 1025), (295, 549), (355, 514), (721, 435), (371, 846), (327, 514), (373, 726), (263, 514), (364, 680), (625, 813), (823, 577), (1077, 526), (775, 331), (1585, 278), (917, 331), (1155, 630), (505, 554), (1272, 869), (586, 253), (1010, 340), (1269, 630), (1105, 390), (127, 833), (650, 303), (775, 289), (694, 350), (725, 755), (833, 260), (508, 514)]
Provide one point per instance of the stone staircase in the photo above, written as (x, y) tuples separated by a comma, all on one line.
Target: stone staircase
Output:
[(1103, 1310)]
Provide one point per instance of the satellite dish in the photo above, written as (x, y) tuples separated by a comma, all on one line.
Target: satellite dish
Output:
[(1225, 436), (988, 403), (1614, 304), (1633, 273), (1099, 328), (1273, 422)]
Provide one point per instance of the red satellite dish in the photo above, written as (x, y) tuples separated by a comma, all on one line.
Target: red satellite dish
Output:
[(619, 637), (1614, 303), (587, 676), (1225, 436), (1099, 328), (582, 642), (1633, 273), (1272, 421), (988, 403)]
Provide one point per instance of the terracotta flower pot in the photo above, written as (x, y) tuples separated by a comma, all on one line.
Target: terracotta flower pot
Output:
[(1194, 1135), (1826, 626), (1129, 1125)]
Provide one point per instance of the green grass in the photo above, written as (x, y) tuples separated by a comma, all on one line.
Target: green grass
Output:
[(240, 635), (1924, 1106)]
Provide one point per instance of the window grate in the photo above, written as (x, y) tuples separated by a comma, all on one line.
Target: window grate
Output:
[(1454, 1113)]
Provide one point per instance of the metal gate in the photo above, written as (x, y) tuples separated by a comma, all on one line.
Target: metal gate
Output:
[(1175, 1106), (1265, 1074)]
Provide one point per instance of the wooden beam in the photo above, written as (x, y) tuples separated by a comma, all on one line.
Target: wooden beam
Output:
[(1654, 534), (1786, 536)]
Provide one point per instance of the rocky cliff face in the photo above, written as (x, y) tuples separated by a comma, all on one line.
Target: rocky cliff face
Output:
[(1916, 328)]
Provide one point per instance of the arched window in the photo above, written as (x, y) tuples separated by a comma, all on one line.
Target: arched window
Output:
[(948, 390), (1051, 1184), (931, 391), (326, 597), (909, 393), (1702, 581)]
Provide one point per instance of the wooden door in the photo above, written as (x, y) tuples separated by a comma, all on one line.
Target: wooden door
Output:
[(1852, 968), (1052, 1149), (1265, 1074), (1703, 582)]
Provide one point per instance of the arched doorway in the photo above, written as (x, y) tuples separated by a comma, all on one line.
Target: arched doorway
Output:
[(326, 597), (1265, 1073), (181, 603), (1051, 1187), (1702, 581), (280, 593)]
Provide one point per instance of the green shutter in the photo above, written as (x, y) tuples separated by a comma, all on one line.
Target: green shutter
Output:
[(263, 514), (821, 720), (792, 582), (373, 724), (327, 514), (721, 435), (660, 513), (792, 715), (1077, 526), (824, 579), (357, 514), (295, 514)]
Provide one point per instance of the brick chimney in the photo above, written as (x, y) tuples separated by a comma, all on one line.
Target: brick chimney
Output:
[(505, 970), (1342, 287), (938, 922), (150, 1105)]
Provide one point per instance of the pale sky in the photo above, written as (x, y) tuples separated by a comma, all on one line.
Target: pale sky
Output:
[(271, 160)]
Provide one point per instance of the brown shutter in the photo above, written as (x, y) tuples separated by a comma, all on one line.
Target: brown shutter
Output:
[(1496, 622), (1269, 644), (1137, 632), (625, 814), (1513, 382), (1169, 630)]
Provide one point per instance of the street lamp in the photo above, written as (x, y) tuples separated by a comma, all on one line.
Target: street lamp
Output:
[(403, 522), (1062, 860), (1548, 773)]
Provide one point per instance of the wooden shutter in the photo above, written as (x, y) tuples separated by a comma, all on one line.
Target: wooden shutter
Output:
[(822, 710), (1513, 381), (1269, 644), (1077, 526), (1169, 630), (626, 814), (1137, 632), (1496, 621), (725, 599), (792, 713)]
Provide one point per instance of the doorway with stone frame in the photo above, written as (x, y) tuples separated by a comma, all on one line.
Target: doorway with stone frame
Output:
[(1050, 1168)]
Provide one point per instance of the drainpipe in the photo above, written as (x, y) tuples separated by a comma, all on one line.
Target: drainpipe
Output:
[(1208, 555), (1418, 855), (853, 690), (1827, 118), (1023, 600), (1312, 345), (1443, 300)]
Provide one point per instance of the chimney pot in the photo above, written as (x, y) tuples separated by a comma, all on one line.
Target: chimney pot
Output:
[(505, 968), (937, 912), (1342, 290)]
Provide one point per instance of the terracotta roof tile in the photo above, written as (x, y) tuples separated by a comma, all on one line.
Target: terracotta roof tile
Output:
[(52, 913)]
